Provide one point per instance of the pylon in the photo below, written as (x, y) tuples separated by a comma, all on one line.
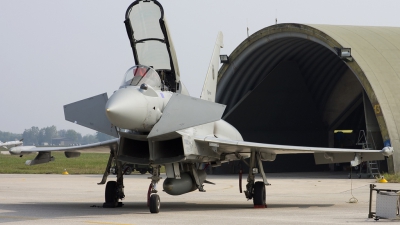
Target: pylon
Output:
[(65, 172)]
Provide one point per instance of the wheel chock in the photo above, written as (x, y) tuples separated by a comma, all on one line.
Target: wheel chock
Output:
[(382, 180), (260, 206), (112, 204), (65, 172)]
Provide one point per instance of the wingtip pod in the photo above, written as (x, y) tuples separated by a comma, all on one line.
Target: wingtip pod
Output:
[(387, 151)]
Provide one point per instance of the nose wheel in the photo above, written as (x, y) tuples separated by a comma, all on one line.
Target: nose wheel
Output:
[(154, 204), (153, 200)]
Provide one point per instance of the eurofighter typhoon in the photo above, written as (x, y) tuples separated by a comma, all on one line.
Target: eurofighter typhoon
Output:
[(156, 123)]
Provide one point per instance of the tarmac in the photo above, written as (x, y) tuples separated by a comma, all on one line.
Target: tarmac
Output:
[(293, 198)]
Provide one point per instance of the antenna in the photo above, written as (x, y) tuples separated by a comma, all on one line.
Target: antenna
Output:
[(247, 27)]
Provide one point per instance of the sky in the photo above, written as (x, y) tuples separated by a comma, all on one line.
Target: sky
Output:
[(55, 52)]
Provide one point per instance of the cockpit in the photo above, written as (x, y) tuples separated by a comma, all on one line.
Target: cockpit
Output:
[(151, 42), (139, 74)]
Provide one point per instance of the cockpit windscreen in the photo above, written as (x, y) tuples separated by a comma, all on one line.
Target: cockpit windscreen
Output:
[(140, 74)]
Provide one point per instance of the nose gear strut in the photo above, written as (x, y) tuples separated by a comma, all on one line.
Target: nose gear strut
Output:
[(153, 200)]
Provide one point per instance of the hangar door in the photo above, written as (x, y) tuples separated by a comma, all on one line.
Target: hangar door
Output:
[(296, 91)]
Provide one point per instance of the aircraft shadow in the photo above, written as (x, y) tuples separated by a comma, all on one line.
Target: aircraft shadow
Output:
[(34, 211)]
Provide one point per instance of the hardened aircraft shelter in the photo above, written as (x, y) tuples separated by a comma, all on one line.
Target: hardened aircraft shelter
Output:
[(315, 85)]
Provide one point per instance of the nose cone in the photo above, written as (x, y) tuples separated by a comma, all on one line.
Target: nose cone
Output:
[(127, 109)]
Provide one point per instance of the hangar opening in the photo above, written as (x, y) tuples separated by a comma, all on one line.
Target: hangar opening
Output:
[(290, 88)]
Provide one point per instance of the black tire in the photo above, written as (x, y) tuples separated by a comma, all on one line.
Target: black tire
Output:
[(128, 170), (155, 203), (142, 171), (111, 192), (259, 197)]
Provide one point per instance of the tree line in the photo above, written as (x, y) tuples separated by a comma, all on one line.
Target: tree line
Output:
[(7, 136), (48, 135)]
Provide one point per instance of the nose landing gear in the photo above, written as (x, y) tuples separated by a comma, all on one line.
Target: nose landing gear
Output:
[(153, 200)]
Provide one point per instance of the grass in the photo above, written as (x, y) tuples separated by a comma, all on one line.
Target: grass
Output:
[(392, 178), (87, 163)]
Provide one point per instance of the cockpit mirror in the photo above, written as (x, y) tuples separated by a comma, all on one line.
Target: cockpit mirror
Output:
[(144, 86)]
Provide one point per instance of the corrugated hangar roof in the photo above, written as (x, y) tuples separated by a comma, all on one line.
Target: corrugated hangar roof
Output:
[(311, 52)]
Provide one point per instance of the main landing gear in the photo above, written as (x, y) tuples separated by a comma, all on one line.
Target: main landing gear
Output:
[(256, 190), (114, 189)]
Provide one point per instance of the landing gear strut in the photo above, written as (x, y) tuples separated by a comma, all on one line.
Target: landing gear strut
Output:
[(153, 200), (256, 190)]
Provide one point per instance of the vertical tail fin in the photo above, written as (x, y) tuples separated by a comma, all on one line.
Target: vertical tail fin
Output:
[(210, 84)]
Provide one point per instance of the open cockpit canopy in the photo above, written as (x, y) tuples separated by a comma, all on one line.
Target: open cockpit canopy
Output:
[(150, 40), (140, 74)]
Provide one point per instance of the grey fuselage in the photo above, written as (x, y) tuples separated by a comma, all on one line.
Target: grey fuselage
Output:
[(136, 109)]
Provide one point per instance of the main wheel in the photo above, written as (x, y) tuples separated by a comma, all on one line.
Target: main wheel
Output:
[(111, 192), (259, 194), (154, 203)]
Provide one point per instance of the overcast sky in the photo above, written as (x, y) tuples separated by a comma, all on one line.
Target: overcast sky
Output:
[(55, 52)]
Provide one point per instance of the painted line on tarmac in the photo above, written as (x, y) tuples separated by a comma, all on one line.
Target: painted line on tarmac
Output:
[(19, 218), (100, 222)]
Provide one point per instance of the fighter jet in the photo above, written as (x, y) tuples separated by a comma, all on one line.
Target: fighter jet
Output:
[(156, 122), (11, 143)]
